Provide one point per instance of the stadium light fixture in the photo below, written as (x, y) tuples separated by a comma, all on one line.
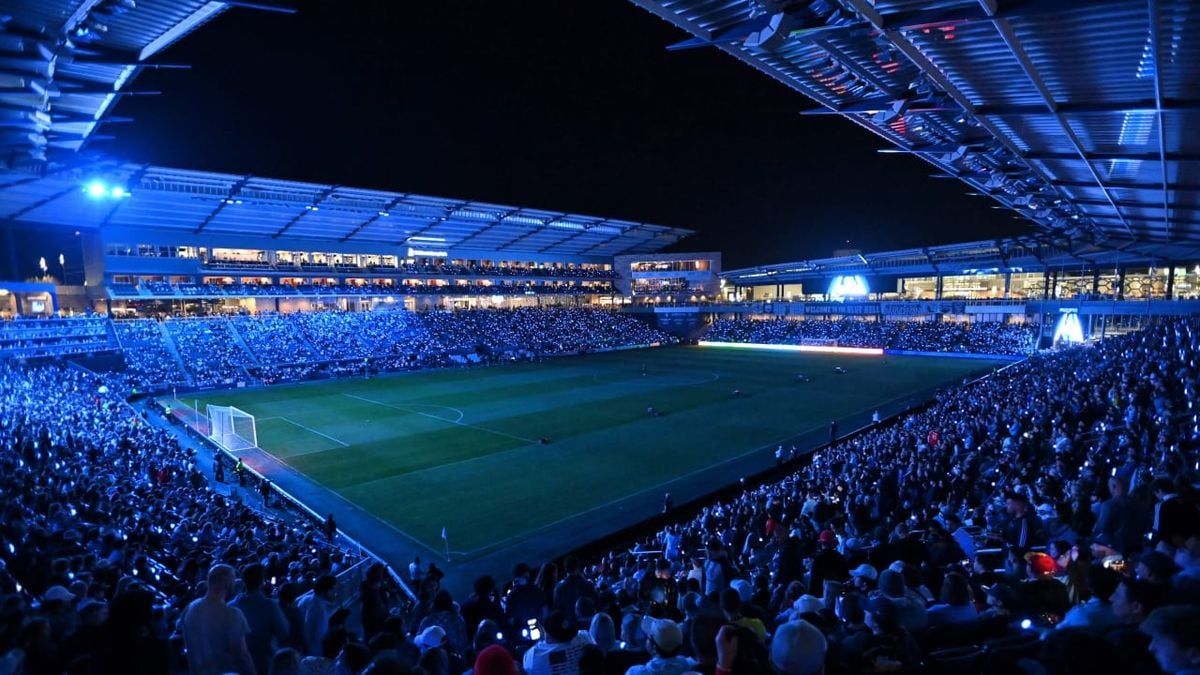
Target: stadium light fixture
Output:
[(98, 189)]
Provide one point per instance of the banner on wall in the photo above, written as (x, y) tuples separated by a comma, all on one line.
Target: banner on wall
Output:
[(924, 307), (844, 308)]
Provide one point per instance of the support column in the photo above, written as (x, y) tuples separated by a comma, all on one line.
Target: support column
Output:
[(1096, 281), (1054, 285), (1046, 284), (1170, 281), (938, 293), (1007, 284), (1121, 282)]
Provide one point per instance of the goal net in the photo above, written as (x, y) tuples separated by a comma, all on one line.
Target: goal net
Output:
[(231, 428)]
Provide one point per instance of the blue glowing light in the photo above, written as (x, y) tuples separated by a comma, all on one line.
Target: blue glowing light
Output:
[(98, 189), (848, 286), (1026, 624), (1068, 329)]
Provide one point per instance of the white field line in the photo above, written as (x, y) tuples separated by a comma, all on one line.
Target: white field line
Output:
[(308, 429), (458, 422)]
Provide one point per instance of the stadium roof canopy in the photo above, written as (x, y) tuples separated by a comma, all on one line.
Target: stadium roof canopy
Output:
[(65, 63), (1015, 254), (1073, 113), (197, 203)]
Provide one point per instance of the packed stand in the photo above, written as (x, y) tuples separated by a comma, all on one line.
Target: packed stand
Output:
[(38, 337), (305, 345), (148, 362), (209, 350), (274, 338), (1041, 520), (110, 529), (544, 331), (977, 337)]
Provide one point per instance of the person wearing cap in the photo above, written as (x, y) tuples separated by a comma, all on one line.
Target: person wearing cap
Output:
[(432, 637), (863, 577), (828, 563), (1175, 638), (1041, 593), (557, 653), (664, 640)]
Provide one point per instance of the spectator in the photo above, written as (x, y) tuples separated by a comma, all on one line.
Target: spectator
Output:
[(318, 609), (1175, 638), (557, 653), (267, 624), (664, 640), (215, 633), (798, 648)]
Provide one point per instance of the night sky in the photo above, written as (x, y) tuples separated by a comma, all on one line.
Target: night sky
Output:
[(572, 106)]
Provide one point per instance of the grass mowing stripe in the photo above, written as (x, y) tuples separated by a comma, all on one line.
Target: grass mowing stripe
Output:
[(442, 419), (422, 471)]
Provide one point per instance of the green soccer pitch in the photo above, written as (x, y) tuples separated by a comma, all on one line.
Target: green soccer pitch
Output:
[(459, 448)]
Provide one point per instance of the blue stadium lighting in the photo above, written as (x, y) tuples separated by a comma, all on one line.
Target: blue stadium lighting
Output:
[(1068, 329), (848, 286), (98, 189)]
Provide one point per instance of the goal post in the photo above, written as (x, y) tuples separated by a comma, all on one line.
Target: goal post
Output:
[(231, 428)]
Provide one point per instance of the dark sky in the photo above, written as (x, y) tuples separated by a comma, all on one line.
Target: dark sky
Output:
[(571, 106)]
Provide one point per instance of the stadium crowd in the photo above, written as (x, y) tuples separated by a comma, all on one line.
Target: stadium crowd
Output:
[(980, 337), (110, 527), (275, 347), (38, 337), (1042, 519), (147, 359)]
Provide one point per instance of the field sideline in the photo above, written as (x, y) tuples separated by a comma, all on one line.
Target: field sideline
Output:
[(459, 448)]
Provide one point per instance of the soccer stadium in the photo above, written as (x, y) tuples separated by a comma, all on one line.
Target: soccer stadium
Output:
[(912, 397)]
